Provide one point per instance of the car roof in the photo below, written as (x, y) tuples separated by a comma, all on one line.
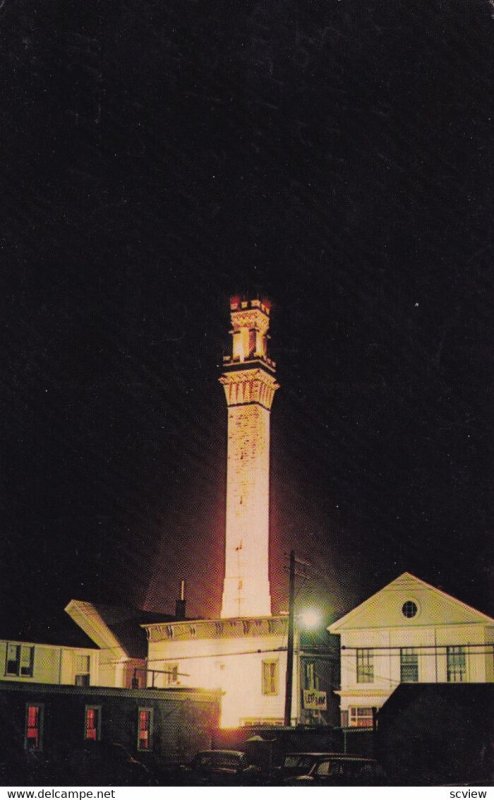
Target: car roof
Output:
[(331, 755)]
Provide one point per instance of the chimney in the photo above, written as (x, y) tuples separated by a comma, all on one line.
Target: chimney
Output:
[(180, 602)]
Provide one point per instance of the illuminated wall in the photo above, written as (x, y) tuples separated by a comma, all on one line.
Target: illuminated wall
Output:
[(404, 633), (29, 662), (244, 658)]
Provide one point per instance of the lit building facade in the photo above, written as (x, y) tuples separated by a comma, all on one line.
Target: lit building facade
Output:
[(32, 662), (244, 658), (243, 653), (408, 632), (249, 383)]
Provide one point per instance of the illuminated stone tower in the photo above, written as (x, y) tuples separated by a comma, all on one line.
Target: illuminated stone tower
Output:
[(249, 383)]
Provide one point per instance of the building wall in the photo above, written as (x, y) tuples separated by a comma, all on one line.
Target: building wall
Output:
[(229, 655), (411, 619), (182, 722), (246, 586), (431, 645)]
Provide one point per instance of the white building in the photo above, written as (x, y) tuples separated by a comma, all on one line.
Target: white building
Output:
[(408, 632), (245, 658)]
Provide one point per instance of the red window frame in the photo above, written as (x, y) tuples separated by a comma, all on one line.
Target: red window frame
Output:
[(92, 723), (33, 739), (144, 728)]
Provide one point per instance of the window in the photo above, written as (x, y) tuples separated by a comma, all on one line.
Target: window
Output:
[(310, 677), (456, 664), (324, 768), (270, 676), (409, 609), (365, 666), (409, 665), (92, 723), (20, 660), (144, 728), (171, 674), (82, 670), (361, 717), (33, 739)]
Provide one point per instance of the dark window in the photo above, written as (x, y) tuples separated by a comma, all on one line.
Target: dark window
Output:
[(365, 666), (171, 674), (409, 609), (82, 670), (456, 664), (310, 677), (34, 727), (409, 665)]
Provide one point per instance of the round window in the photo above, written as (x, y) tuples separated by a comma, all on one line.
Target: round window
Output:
[(409, 609)]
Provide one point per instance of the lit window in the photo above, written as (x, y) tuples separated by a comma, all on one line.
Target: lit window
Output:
[(144, 728), (409, 665), (456, 664), (409, 609), (365, 666), (171, 674), (270, 676), (20, 660), (92, 723), (361, 717), (82, 670), (34, 727)]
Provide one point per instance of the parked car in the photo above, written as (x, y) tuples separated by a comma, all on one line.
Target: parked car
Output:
[(108, 764), (221, 767), (330, 769)]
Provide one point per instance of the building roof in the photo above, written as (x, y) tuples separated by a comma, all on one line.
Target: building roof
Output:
[(55, 629), (476, 697), (117, 627)]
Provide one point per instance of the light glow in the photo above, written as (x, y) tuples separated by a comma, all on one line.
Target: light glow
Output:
[(310, 618)]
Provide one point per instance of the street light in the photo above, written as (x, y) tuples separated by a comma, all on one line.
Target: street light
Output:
[(310, 618)]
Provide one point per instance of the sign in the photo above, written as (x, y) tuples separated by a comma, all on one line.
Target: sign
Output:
[(313, 699)]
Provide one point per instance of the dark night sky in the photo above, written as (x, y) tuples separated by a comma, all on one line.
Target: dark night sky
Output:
[(160, 156)]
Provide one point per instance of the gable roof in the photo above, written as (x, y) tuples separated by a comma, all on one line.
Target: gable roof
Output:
[(384, 608), (117, 628)]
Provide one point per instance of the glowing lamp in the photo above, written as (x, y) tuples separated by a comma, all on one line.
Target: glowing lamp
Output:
[(310, 618)]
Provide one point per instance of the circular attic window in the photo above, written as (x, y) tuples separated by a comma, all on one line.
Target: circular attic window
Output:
[(409, 609)]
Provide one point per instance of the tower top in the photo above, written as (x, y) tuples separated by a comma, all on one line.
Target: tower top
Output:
[(239, 302), (250, 325)]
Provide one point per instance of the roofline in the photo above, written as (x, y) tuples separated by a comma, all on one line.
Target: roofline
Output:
[(29, 642), (91, 629), (212, 620)]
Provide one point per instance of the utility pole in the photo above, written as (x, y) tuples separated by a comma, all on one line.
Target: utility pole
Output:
[(291, 633)]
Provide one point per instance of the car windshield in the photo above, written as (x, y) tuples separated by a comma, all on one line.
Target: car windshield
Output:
[(227, 760), (298, 762)]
